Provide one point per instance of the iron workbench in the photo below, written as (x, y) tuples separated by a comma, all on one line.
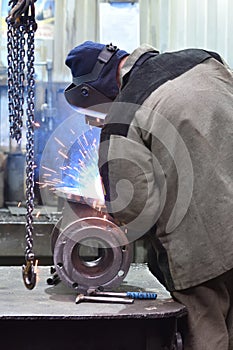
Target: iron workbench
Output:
[(47, 317)]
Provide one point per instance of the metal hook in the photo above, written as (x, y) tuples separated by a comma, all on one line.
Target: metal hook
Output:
[(16, 10), (19, 8), (29, 275)]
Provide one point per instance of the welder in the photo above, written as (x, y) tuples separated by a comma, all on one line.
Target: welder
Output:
[(166, 163)]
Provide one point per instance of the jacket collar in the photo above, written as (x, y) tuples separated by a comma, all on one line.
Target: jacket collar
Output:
[(133, 57)]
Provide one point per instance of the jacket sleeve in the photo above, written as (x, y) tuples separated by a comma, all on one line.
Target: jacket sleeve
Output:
[(131, 179)]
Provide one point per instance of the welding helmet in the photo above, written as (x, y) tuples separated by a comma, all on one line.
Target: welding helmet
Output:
[(94, 70)]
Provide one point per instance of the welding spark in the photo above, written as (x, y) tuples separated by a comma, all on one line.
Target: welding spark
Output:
[(62, 168), (83, 166), (94, 143), (84, 137), (43, 185), (62, 154), (79, 170), (52, 171), (58, 141), (36, 124), (72, 177), (81, 162), (59, 181), (80, 143), (82, 153)]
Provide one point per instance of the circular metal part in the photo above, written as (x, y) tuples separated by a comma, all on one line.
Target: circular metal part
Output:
[(92, 252)]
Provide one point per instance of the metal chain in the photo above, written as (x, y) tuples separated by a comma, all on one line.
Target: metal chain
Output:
[(20, 79), (30, 141), (16, 65), (17, 126), (21, 24), (11, 39)]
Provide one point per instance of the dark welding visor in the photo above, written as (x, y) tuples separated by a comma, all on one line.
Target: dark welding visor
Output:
[(85, 96), (81, 95)]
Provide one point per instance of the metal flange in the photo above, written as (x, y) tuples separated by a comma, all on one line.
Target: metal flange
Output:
[(92, 252)]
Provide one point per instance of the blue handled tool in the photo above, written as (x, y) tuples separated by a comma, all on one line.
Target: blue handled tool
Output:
[(141, 295), (131, 295)]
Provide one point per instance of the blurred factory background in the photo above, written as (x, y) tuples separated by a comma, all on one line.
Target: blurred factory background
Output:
[(62, 24)]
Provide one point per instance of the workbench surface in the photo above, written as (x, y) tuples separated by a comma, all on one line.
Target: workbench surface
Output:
[(58, 302)]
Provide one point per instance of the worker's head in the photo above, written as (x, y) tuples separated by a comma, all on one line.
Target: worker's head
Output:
[(94, 69)]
